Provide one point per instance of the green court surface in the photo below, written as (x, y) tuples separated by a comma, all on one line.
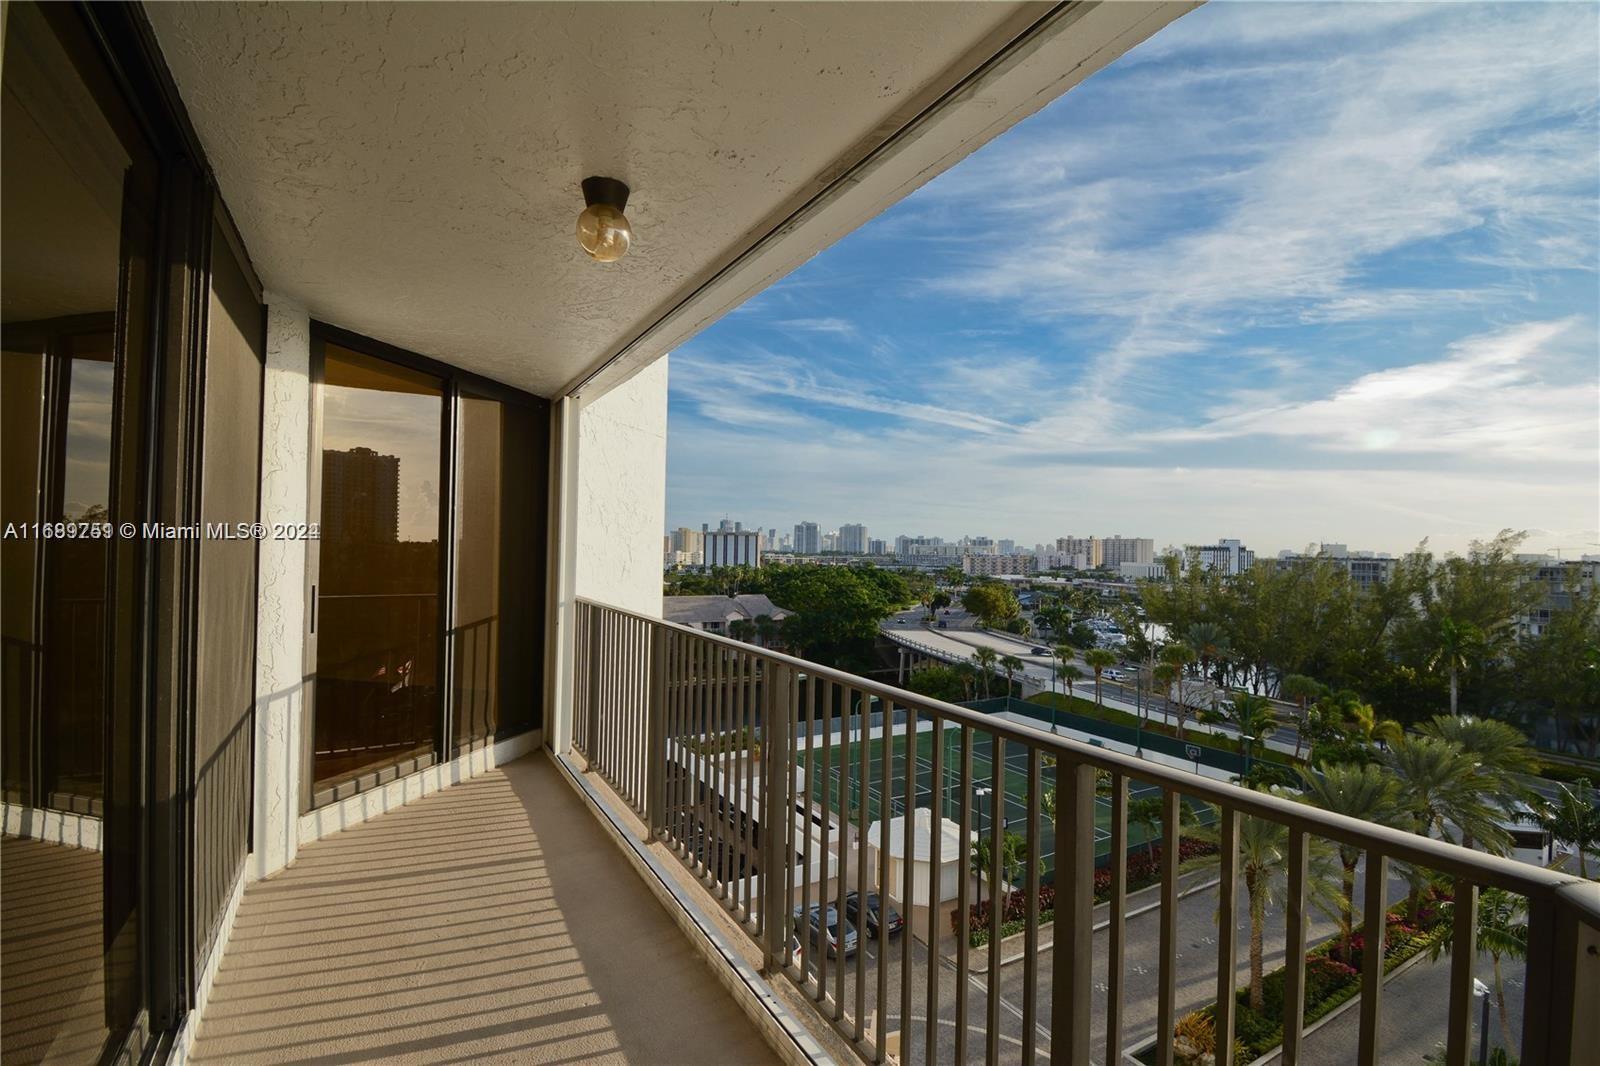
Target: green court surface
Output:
[(838, 783)]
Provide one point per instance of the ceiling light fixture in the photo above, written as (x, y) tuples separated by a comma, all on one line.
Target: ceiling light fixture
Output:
[(603, 230)]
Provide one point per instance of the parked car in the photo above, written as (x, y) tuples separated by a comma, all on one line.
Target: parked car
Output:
[(852, 910), (826, 930)]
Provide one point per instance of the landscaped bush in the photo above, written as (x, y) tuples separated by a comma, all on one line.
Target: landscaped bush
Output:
[(1330, 980), (1144, 870)]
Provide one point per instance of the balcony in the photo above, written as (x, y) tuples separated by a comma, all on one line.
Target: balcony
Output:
[(743, 764), (488, 921)]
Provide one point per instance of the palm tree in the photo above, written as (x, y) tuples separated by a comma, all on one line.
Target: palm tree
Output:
[(1359, 791), (1070, 673), (985, 658), (741, 629), (1363, 723), (766, 630), (1302, 690), (1011, 665), (1097, 660), (1178, 656), (1264, 868), (1573, 817), (1503, 933), (1210, 643), (1500, 751), (1456, 644), (1145, 813), (1439, 788)]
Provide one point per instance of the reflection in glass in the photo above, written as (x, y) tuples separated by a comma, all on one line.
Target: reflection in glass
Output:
[(75, 211), (377, 608)]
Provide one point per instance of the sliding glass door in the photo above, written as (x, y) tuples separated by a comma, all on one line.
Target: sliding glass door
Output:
[(425, 618), (78, 214), (373, 626)]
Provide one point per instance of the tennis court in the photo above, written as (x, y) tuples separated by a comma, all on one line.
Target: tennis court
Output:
[(844, 784)]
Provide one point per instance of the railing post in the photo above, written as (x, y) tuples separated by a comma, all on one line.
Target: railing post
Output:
[(777, 726), (655, 770), (1072, 930), (591, 746), (1563, 975)]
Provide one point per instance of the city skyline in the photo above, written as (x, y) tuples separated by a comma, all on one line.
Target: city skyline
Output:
[(1366, 313)]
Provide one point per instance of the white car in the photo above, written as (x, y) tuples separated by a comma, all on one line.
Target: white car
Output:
[(1115, 675)]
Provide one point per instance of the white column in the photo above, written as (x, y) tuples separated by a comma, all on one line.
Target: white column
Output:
[(280, 603), (562, 570)]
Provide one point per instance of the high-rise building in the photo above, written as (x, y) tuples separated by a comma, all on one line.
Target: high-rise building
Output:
[(740, 547), (994, 565), (1008, 547), (807, 538), (853, 539), (1228, 556), (1088, 547), (360, 496), (877, 547), (1116, 550), (1366, 569)]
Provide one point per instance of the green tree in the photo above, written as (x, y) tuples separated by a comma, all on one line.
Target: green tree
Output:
[(742, 629), (1210, 643), (1264, 869), (992, 602), (1145, 815), (1560, 672), (767, 630), (1098, 659), (1501, 756), (1302, 690), (985, 659), (1503, 933), (1439, 788), (1357, 791), (1573, 817), (1178, 656), (1457, 645), (1012, 666), (836, 610), (1251, 715), (938, 681), (1068, 674)]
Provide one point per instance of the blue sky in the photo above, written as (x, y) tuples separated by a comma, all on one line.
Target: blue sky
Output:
[(1284, 272)]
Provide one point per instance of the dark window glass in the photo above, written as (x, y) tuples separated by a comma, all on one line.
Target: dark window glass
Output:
[(497, 617), (475, 614), (377, 606), (77, 205)]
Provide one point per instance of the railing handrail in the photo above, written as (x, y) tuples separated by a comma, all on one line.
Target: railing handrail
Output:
[(1478, 867)]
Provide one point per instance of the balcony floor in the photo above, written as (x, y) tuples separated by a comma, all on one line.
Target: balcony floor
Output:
[(490, 921)]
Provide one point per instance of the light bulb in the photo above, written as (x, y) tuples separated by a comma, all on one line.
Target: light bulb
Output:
[(604, 233)]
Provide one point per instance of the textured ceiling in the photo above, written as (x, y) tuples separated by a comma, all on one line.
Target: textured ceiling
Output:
[(411, 171)]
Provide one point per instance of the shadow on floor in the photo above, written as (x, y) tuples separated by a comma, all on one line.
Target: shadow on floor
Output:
[(52, 962), (491, 921)]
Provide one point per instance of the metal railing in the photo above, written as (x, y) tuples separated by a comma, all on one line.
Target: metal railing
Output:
[(764, 774)]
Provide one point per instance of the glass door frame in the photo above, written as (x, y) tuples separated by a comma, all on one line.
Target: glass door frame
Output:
[(456, 382), (365, 780)]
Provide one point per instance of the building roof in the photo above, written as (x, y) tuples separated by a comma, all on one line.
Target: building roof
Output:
[(698, 610)]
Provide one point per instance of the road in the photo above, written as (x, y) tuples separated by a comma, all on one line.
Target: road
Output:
[(962, 638), (1196, 981)]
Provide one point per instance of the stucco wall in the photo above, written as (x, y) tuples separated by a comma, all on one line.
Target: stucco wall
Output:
[(280, 605), (622, 492)]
